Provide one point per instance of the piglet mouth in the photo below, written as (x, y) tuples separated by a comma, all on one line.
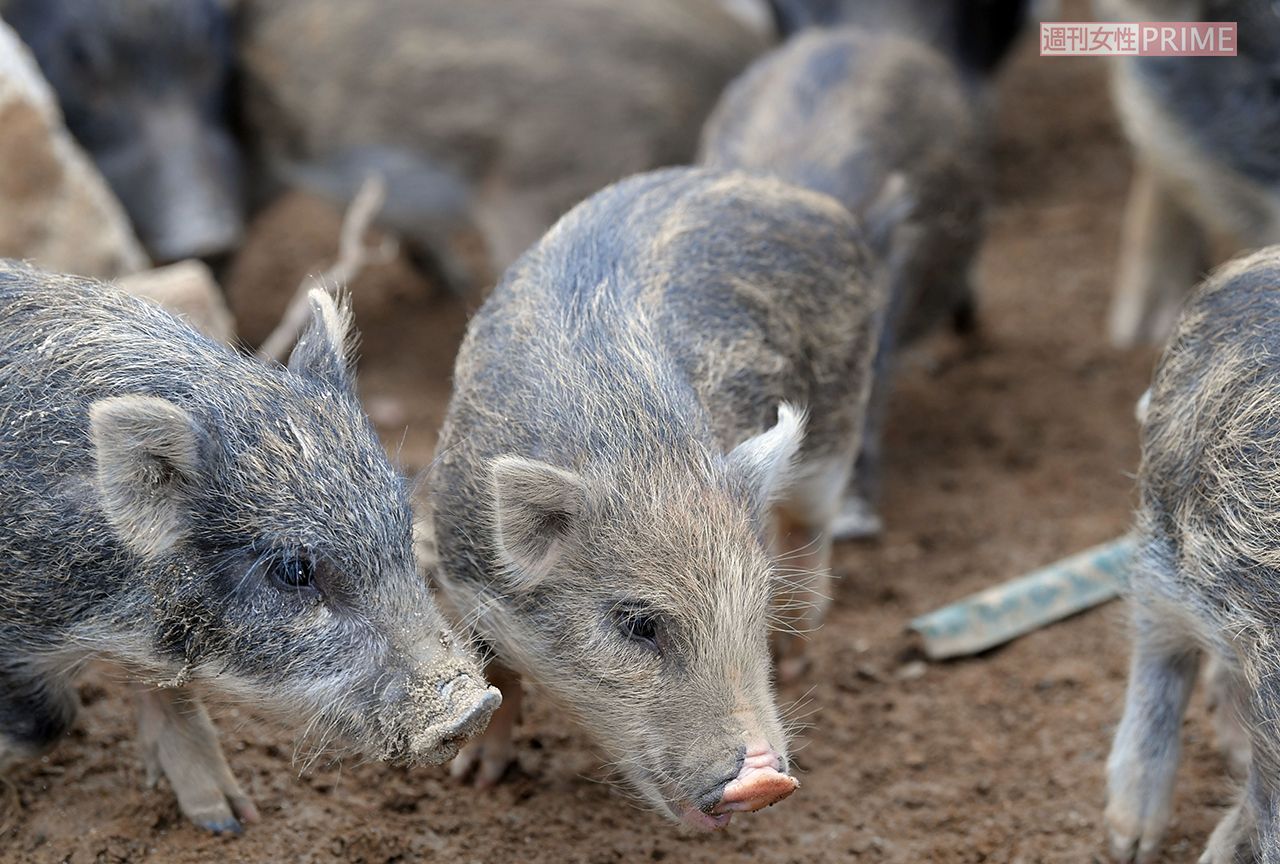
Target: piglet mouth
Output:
[(759, 784), (695, 818)]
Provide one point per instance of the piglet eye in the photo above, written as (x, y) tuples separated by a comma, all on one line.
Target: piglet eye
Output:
[(294, 572), (640, 626)]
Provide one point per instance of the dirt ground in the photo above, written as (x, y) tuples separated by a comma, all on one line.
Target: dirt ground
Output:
[(1003, 456)]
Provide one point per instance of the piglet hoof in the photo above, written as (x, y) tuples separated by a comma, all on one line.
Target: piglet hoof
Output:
[(218, 812), (229, 825), (857, 520), (1133, 835), (484, 762), (1232, 838)]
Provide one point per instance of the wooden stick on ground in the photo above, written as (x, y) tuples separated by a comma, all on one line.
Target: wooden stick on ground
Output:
[(1011, 609), (353, 256)]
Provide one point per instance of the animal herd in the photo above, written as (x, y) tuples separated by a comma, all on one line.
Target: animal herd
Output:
[(709, 228)]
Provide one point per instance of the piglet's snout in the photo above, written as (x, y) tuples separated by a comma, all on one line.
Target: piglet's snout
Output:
[(457, 710), (473, 720), (760, 782)]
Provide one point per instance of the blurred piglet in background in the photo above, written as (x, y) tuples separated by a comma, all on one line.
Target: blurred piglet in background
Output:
[(884, 125), (143, 85), (1207, 168), (489, 118)]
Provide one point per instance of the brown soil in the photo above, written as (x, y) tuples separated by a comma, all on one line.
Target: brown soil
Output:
[(1004, 456)]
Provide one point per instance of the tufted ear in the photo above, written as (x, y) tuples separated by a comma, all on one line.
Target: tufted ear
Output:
[(149, 459), (323, 350), (763, 462), (537, 508)]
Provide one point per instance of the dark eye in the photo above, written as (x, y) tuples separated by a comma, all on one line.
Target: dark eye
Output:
[(294, 572), (640, 626)]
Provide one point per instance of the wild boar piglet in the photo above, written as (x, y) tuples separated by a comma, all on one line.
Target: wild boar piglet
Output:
[(489, 118), (1207, 581), (884, 125), (628, 419), (206, 520), (1207, 167)]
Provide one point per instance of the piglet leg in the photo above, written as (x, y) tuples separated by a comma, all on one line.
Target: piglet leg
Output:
[(1144, 757), (1163, 251), (177, 739), (1228, 695)]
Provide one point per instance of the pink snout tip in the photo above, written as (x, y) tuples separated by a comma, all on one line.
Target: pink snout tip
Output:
[(758, 785)]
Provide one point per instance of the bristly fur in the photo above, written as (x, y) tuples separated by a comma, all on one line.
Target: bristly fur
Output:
[(884, 125), (151, 479), (640, 353), (1206, 579)]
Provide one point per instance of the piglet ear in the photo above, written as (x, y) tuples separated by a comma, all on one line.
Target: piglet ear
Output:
[(323, 350), (149, 460), (763, 462), (537, 509)]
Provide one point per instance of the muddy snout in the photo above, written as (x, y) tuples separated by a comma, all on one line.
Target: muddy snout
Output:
[(451, 711), (761, 781)]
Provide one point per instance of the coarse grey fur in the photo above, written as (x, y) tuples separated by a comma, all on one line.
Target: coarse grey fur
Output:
[(1203, 131), (882, 124), (203, 519), (620, 430), (1208, 576), (499, 115)]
